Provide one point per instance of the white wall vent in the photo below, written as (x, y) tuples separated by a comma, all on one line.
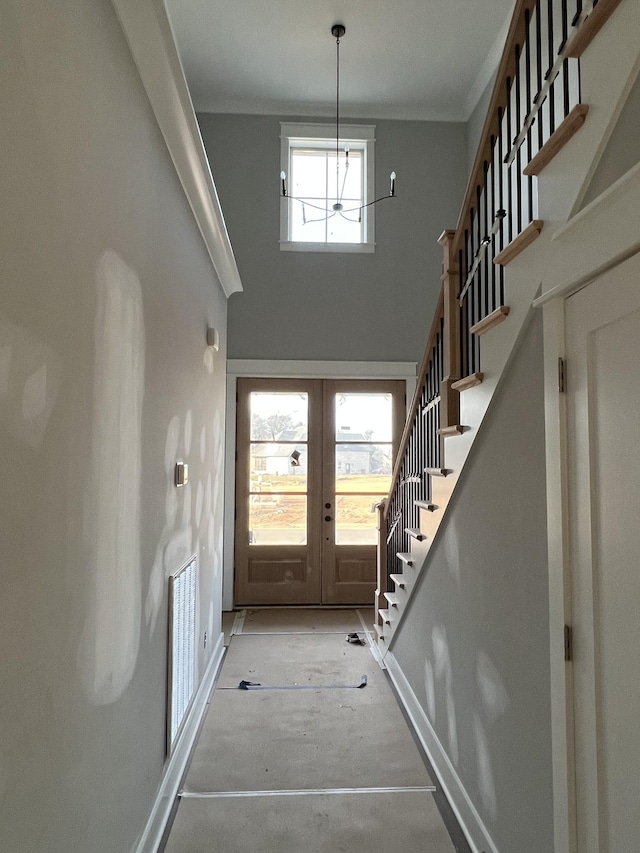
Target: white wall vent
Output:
[(181, 673)]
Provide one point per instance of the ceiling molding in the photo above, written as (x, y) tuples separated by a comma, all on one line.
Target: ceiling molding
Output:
[(378, 112), (148, 32)]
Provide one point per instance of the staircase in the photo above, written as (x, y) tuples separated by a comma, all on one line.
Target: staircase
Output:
[(549, 112)]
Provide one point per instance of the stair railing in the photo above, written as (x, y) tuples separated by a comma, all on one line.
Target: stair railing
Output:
[(535, 107), (434, 409), (536, 100)]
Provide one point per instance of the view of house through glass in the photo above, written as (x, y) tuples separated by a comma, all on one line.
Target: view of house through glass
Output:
[(364, 459), (318, 181), (278, 466)]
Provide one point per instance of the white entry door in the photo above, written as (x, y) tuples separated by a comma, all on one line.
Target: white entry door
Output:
[(603, 388)]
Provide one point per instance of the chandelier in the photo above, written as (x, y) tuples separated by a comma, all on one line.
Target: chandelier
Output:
[(337, 208)]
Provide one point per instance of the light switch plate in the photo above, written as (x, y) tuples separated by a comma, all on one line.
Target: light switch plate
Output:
[(182, 473)]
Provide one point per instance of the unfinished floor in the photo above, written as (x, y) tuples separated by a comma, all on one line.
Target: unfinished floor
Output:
[(310, 760)]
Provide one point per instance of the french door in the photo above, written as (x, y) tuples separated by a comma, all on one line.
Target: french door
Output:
[(314, 457)]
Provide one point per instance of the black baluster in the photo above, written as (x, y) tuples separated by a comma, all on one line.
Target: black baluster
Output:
[(495, 206), (552, 53), (518, 127), (486, 229), (528, 73), (462, 343), (565, 64), (539, 74), (576, 17), (508, 143)]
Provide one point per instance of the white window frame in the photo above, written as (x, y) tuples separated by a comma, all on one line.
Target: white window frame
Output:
[(295, 134)]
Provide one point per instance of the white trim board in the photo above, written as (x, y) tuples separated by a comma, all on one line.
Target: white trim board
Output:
[(588, 245), (286, 369), (323, 369), (176, 765), (148, 32), (470, 821)]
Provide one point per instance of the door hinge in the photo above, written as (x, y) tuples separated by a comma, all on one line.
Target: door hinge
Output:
[(562, 376), (568, 642)]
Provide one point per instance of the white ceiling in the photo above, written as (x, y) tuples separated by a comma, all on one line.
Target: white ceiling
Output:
[(408, 59)]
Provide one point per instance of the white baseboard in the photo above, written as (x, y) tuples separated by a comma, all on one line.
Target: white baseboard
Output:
[(175, 766), (470, 821)]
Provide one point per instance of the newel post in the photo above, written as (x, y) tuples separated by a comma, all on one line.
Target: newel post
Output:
[(449, 398), (381, 561)]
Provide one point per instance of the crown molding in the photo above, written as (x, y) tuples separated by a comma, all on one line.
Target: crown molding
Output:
[(148, 32)]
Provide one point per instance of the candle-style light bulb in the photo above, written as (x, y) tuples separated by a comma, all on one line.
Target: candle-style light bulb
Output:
[(392, 180), (283, 178)]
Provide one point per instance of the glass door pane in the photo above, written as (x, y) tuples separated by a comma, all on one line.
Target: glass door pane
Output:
[(278, 464), (364, 459)]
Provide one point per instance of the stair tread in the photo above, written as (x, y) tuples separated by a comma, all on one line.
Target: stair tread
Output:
[(467, 382), (405, 557), (558, 139), (386, 615), (415, 532), (524, 239), (455, 429), (392, 598), (426, 505), (491, 320), (399, 580)]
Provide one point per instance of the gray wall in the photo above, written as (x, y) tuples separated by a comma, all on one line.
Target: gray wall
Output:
[(623, 149), (105, 294), (474, 645), (366, 307), (476, 123)]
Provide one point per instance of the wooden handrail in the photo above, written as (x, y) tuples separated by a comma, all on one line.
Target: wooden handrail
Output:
[(415, 403), (491, 127)]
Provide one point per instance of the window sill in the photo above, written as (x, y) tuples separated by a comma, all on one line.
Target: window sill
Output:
[(357, 248)]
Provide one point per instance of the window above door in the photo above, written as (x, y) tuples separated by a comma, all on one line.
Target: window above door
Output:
[(318, 180)]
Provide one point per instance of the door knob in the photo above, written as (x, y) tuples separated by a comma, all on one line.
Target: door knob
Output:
[(327, 518)]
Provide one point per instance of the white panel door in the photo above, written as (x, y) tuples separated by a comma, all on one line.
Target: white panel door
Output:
[(603, 387)]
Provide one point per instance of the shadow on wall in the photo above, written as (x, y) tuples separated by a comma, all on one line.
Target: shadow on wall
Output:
[(111, 636), (494, 702), (30, 376)]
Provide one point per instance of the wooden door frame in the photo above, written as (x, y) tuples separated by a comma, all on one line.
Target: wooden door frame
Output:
[(237, 368)]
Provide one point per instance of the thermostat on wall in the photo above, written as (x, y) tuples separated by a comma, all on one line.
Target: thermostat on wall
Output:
[(182, 473)]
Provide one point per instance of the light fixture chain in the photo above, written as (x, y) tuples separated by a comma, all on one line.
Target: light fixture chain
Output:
[(337, 115), (337, 30)]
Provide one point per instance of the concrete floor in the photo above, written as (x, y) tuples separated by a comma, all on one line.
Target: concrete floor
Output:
[(326, 768)]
